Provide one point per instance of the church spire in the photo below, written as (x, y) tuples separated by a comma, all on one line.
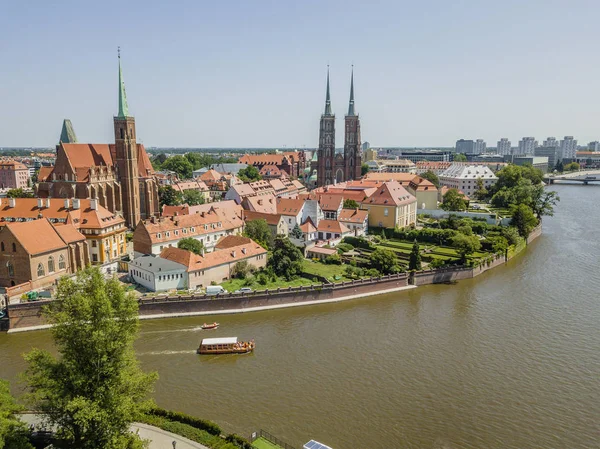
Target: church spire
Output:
[(67, 135), (351, 104), (123, 109), (327, 97)]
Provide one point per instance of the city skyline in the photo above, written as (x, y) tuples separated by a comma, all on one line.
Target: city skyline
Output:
[(203, 76)]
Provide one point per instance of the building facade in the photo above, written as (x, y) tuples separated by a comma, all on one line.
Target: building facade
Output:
[(568, 148), (527, 145), (465, 177), (503, 146), (13, 175)]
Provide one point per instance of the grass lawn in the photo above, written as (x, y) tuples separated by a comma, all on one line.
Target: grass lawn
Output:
[(261, 443), (235, 284), (327, 270)]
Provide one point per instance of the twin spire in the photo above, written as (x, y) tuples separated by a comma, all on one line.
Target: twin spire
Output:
[(351, 111), (123, 108)]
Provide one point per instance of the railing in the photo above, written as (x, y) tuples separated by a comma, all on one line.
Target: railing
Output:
[(267, 436)]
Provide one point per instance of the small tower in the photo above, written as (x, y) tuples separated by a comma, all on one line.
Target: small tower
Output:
[(352, 144), (326, 151), (67, 135), (126, 156)]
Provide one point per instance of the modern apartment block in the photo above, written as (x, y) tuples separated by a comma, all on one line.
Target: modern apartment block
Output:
[(470, 147), (527, 145), (503, 146), (593, 146), (568, 148)]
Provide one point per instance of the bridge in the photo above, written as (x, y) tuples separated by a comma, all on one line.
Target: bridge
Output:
[(582, 176)]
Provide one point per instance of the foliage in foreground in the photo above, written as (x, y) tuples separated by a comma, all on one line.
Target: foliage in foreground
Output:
[(191, 244), (286, 260), (95, 389), (13, 432)]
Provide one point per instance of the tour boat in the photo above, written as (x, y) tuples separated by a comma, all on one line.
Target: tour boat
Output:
[(210, 326), (227, 345)]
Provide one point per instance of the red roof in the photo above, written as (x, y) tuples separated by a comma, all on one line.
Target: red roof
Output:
[(332, 226), (353, 215)]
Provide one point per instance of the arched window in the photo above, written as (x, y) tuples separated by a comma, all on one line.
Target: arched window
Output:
[(61, 262), (2, 246), (50, 264), (10, 268), (14, 245), (40, 270), (122, 133)]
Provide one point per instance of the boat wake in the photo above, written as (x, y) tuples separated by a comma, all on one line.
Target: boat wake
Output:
[(191, 329), (187, 351)]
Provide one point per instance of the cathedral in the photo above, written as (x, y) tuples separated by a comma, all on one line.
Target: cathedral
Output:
[(332, 167), (119, 175)]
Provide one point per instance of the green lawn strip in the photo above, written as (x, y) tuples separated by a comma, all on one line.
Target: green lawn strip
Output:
[(189, 432), (330, 271), (261, 443), (233, 285)]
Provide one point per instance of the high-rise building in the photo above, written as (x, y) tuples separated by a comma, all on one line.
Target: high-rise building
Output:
[(594, 146), (480, 146), (551, 142), (366, 146), (503, 147), (527, 145), (568, 148), (550, 152), (465, 146)]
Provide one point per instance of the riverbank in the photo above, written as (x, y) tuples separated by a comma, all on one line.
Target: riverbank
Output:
[(28, 316)]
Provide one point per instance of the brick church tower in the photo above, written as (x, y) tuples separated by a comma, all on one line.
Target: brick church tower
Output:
[(326, 151), (126, 157), (352, 144)]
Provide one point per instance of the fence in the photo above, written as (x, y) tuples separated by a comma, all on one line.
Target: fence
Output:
[(267, 436)]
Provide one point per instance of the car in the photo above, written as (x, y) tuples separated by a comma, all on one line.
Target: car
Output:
[(244, 290)]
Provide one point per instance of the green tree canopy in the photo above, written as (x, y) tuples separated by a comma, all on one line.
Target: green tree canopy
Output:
[(19, 193), (191, 244), (454, 201), (481, 192), (432, 177), (523, 219), (543, 201), (297, 232), (13, 432), (559, 167), (259, 231), (193, 197), (168, 196), (414, 262), (459, 157), (364, 169), (350, 204), (573, 166), (95, 389), (384, 261), (286, 260), (249, 174), (158, 160), (180, 165), (465, 245)]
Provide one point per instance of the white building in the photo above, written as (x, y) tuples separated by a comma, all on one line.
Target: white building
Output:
[(398, 166), (157, 274), (480, 146), (593, 146), (551, 142), (464, 177), (568, 148), (503, 147), (527, 145)]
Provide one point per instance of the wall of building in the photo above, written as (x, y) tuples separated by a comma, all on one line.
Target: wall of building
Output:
[(220, 273), (427, 198), (157, 282)]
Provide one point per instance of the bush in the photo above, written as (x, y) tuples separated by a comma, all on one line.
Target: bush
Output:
[(437, 263), (334, 259), (262, 279), (344, 247), (241, 269), (358, 242), (373, 272), (198, 423), (239, 441)]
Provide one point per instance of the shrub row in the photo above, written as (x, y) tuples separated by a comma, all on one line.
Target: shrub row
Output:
[(198, 423)]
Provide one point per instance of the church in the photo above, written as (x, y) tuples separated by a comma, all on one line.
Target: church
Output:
[(331, 167), (120, 175)]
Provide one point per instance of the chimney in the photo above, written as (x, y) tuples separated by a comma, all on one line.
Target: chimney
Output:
[(67, 203), (176, 222), (202, 214), (40, 203), (93, 204), (153, 219), (233, 254), (76, 203), (12, 202), (176, 213), (48, 203)]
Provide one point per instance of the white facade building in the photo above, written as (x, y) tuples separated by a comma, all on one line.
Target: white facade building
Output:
[(568, 148), (157, 274), (527, 145), (593, 146), (464, 177), (551, 142), (503, 147)]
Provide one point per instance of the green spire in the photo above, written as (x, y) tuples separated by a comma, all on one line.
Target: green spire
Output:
[(67, 135), (327, 97), (351, 104), (123, 109)]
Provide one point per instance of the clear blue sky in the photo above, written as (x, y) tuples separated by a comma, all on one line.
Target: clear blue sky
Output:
[(251, 73)]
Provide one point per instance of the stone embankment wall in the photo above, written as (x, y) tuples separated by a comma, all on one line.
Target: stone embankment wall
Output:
[(30, 314)]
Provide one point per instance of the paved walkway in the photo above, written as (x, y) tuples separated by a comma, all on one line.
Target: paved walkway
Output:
[(159, 439)]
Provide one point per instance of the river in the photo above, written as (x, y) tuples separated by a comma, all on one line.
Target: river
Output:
[(510, 359)]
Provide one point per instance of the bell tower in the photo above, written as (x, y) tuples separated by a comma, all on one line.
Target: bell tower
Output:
[(352, 145), (126, 157), (326, 151)]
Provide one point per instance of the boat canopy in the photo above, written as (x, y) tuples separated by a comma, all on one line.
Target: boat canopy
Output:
[(219, 341), (312, 444)]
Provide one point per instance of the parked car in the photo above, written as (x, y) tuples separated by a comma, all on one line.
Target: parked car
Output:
[(244, 290), (212, 290)]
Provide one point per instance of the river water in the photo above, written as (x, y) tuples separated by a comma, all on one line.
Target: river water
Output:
[(510, 359)]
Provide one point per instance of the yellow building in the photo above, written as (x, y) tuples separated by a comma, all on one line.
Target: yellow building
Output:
[(391, 206), (370, 155)]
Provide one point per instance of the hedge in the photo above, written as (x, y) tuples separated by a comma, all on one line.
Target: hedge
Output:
[(239, 441), (198, 423)]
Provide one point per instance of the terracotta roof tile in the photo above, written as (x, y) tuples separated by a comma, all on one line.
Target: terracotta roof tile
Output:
[(272, 219), (68, 233), (37, 236), (289, 206), (332, 226), (353, 216)]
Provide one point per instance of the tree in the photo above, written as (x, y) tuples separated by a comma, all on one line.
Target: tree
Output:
[(480, 192), (432, 177), (364, 169), (286, 260), (543, 201), (191, 244), (453, 201), (158, 160), (465, 245), (168, 196), (559, 167), (384, 261), (259, 231), (241, 269), (13, 432), (523, 219), (249, 174), (350, 204), (297, 232), (180, 165), (19, 193), (573, 166), (414, 262), (510, 234), (459, 157), (95, 389), (193, 197)]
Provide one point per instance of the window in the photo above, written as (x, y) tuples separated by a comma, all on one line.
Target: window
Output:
[(14, 247), (158, 235), (94, 243), (176, 232), (50, 264), (40, 270), (2, 246), (94, 257), (10, 268), (385, 212)]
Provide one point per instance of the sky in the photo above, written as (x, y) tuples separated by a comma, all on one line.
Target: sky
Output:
[(251, 73)]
